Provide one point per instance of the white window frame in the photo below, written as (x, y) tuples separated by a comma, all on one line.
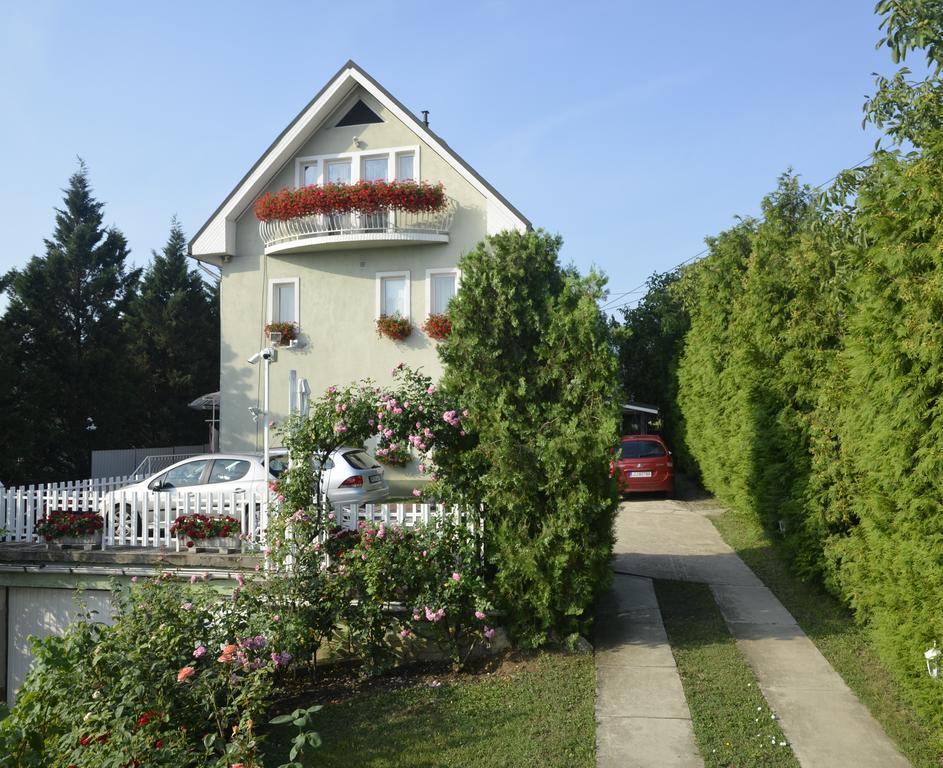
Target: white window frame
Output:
[(296, 282), (300, 171), (379, 292), (376, 156), (356, 159), (397, 155), (430, 273)]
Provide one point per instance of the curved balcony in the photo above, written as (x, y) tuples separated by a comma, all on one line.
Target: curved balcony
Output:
[(357, 230)]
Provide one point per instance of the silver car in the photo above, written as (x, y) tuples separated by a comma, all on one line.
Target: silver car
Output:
[(350, 476), (234, 484)]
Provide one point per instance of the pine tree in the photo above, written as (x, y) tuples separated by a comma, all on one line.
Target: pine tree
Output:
[(66, 337), (176, 345)]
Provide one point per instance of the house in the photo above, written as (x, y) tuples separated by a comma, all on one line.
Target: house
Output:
[(334, 273)]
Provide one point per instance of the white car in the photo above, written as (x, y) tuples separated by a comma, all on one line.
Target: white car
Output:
[(234, 484)]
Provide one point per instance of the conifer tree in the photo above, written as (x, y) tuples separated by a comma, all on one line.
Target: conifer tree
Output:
[(67, 342), (176, 345)]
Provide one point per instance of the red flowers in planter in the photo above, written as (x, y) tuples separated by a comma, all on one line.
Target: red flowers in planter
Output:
[(362, 197), (395, 327), (199, 526), (289, 332), (437, 327), (59, 523)]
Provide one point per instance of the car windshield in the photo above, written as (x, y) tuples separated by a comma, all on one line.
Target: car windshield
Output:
[(360, 460), (641, 449)]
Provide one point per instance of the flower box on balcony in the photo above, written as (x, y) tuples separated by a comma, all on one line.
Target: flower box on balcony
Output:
[(364, 197), (394, 327)]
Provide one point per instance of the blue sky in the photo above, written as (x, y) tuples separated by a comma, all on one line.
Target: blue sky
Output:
[(633, 130)]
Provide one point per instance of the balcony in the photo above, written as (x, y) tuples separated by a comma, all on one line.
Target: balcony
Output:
[(357, 230)]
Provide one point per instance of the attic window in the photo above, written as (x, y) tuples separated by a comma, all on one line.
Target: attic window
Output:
[(359, 114)]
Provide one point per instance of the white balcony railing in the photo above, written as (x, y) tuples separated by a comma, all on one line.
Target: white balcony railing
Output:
[(305, 232)]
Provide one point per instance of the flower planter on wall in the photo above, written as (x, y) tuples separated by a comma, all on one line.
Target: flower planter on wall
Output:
[(394, 327), (87, 542), (223, 545)]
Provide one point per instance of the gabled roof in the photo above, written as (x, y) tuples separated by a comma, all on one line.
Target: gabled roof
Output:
[(216, 237)]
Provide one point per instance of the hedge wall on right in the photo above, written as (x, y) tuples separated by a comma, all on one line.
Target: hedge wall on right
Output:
[(810, 381)]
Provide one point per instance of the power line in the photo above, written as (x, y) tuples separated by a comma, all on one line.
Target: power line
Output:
[(615, 300)]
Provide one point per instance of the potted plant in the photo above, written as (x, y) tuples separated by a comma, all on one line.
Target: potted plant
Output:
[(437, 327), (71, 528), (395, 327), (203, 532), (288, 331)]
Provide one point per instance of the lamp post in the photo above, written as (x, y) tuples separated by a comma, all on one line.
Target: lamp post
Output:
[(267, 355)]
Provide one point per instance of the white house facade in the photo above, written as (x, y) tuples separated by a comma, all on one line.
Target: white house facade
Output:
[(333, 276)]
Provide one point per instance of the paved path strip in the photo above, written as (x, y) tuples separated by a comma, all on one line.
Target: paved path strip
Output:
[(825, 723), (642, 718)]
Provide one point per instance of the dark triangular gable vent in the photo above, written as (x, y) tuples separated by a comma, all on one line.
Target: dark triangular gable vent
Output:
[(359, 114)]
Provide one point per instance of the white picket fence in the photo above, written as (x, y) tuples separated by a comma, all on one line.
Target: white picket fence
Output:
[(144, 519)]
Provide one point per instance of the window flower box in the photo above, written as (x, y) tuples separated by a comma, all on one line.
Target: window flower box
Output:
[(288, 331), (437, 327), (394, 327)]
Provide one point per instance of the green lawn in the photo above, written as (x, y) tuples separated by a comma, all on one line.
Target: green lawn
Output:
[(831, 627), (732, 722), (524, 711)]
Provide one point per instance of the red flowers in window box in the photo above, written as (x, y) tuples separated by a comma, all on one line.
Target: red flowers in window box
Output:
[(362, 197), (289, 332), (395, 327), (437, 327)]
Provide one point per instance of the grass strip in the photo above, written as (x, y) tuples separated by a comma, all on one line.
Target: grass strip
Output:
[(732, 722), (534, 713), (831, 626)]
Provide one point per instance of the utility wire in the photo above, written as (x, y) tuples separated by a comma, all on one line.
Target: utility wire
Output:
[(616, 299)]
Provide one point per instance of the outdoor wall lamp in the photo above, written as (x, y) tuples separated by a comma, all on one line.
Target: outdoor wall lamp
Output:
[(932, 657)]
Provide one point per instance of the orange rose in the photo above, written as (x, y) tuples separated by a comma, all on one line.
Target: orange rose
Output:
[(185, 673)]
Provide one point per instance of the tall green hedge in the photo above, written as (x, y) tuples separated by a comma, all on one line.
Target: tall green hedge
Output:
[(810, 382)]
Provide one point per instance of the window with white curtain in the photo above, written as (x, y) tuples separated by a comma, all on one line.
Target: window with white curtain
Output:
[(374, 168), (337, 172), (283, 301), (404, 166), (393, 294), (441, 286)]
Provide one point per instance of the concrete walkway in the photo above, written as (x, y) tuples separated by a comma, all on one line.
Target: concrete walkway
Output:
[(825, 723), (641, 715)]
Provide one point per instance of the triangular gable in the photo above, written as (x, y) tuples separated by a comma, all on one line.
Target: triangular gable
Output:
[(359, 114), (216, 238)]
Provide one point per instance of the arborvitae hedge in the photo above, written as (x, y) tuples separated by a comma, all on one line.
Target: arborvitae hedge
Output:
[(810, 387)]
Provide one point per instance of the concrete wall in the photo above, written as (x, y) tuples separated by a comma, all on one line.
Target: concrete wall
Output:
[(337, 289), (41, 612)]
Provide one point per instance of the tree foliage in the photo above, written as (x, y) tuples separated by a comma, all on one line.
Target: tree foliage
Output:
[(543, 417), (174, 320), (91, 357), (65, 324)]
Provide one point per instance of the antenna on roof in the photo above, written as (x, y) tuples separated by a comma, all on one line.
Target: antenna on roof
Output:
[(425, 117)]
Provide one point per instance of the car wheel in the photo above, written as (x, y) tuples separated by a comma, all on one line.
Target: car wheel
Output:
[(123, 522)]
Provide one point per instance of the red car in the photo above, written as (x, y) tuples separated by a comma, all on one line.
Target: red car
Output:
[(642, 464)]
